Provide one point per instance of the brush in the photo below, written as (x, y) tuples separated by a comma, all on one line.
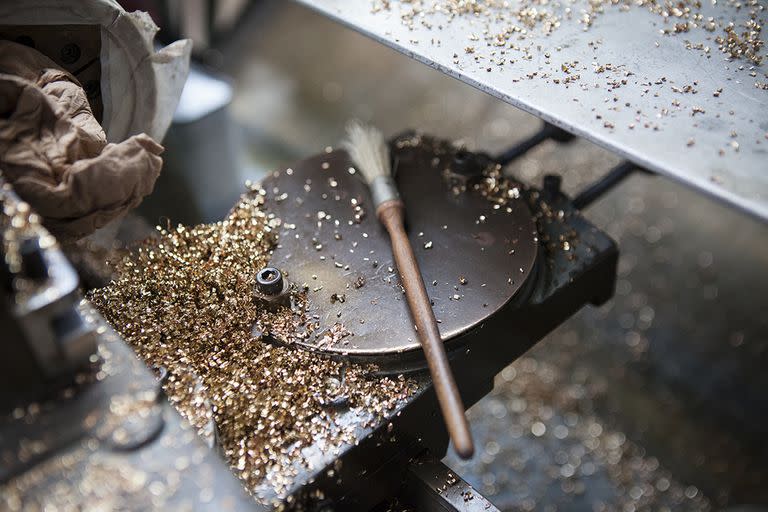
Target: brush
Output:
[(370, 153)]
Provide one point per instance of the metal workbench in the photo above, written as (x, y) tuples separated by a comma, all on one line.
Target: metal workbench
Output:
[(659, 100)]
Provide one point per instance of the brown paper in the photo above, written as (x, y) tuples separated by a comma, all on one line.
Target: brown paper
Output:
[(55, 153)]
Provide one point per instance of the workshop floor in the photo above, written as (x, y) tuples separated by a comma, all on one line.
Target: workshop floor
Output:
[(656, 399)]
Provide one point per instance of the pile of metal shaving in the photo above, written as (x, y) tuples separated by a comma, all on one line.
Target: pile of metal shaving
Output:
[(185, 302)]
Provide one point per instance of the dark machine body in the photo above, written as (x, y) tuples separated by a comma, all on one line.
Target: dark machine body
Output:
[(485, 329)]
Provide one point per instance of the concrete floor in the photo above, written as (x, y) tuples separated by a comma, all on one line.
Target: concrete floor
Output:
[(655, 400)]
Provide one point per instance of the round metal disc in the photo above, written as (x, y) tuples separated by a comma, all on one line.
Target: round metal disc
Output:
[(473, 258)]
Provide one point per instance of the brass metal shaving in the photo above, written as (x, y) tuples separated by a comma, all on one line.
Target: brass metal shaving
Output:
[(526, 16), (185, 301)]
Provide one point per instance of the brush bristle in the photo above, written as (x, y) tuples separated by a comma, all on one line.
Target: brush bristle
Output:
[(368, 150)]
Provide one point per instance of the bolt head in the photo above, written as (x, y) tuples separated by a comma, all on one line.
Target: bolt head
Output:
[(70, 53), (269, 281)]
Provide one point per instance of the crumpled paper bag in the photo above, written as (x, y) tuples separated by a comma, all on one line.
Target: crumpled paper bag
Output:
[(55, 153)]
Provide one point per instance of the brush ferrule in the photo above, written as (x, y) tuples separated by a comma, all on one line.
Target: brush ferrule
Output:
[(383, 188)]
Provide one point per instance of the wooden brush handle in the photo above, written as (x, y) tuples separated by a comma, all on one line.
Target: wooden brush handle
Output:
[(391, 215)]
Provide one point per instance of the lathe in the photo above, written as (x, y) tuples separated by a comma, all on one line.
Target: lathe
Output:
[(269, 360)]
